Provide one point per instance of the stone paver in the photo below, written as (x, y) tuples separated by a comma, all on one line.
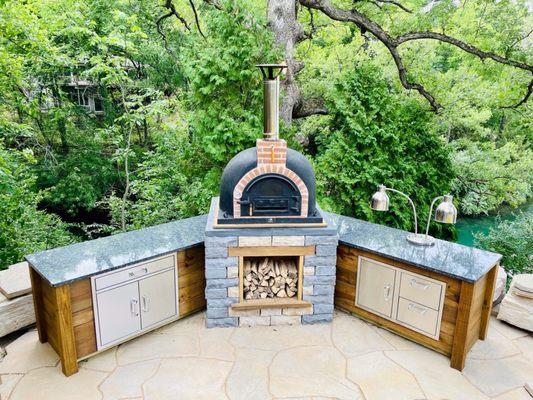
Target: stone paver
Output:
[(215, 343), (354, 337), (157, 345), (380, 378), (516, 394), (127, 381), (27, 353), (509, 331), (188, 378), (495, 377), (348, 359), (309, 371), (436, 378), (282, 337), (249, 377), (495, 346), (7, 384), (49, 383), (525, 344), (105, 361)]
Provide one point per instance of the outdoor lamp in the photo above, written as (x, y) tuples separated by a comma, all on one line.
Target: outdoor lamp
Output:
[(380, 200), (445, 213)]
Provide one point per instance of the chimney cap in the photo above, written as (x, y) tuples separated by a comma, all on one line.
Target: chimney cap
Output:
[(268, 70)]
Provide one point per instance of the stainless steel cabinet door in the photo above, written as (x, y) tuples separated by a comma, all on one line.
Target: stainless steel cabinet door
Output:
[(375, 287), (118, 313), (158, 298)]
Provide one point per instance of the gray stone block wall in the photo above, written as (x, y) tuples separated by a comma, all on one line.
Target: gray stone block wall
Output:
[(222, 282)]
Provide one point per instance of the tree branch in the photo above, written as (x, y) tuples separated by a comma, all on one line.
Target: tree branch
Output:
[(525, 98), (172, 11), (378, 4), (214, 3), (463, 46), (392, 43), (308, 107), (196, 19)]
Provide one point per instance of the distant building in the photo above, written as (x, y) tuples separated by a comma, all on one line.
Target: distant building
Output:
[(84, 93)]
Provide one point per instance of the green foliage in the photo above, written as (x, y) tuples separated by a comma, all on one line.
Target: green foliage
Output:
[(375, 137), (178, 106), (488, 175), (23, 228), (514, 240), (226, 90)]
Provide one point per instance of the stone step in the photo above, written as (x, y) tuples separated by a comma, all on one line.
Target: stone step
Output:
[(15, 281)]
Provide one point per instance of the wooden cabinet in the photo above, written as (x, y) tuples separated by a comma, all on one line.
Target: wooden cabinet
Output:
[(82, 318), (406, 298), (134, 299), (443, 313)]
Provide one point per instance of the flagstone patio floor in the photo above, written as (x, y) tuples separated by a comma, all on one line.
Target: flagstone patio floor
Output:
[(348, 359)]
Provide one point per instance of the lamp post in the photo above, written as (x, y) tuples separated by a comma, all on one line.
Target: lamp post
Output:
[(445, 213)]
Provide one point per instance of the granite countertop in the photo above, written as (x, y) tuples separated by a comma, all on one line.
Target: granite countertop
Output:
[(462, 262), (67, 264)]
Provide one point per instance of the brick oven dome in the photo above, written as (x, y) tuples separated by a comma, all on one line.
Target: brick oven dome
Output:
[(246, 160)]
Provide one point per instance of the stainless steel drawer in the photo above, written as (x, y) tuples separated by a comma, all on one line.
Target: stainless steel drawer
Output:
[(418, 317), (421, 290), (134, 272)]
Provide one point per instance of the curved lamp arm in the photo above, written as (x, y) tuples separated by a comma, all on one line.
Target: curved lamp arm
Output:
[(431, 212), (410, 202)]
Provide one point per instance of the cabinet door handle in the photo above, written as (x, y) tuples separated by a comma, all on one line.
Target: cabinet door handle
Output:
[(386, 292), (418, 309), (420, 285), (142, 271), (145, 304), (133, 307)]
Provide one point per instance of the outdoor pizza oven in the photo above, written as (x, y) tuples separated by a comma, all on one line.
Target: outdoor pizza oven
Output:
[(269, 183)]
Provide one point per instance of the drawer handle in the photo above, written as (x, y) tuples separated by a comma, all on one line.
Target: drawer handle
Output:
[(143, 270), (386, 292), (420, 285), (418, 309), (145, 304), (133, 307)]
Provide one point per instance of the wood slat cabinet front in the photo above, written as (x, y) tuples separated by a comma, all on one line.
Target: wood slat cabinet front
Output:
[(465, 306), (66, 316)]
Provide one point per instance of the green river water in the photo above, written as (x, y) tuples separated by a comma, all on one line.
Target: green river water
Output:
[(467, 227)]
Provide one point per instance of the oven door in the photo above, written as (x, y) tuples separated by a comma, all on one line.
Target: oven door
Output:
[(271, 195)]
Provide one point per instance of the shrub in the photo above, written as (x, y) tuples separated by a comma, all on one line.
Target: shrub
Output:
[(512, 239)]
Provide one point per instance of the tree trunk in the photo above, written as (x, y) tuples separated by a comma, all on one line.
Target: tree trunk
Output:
[(282, 19)]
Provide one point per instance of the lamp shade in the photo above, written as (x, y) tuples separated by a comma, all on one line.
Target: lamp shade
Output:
[(446, 211), (380, 200)]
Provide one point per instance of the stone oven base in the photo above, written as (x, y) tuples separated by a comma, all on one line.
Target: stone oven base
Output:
[(314, 249), (224, 269)]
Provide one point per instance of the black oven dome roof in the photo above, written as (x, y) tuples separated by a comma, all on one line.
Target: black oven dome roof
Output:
[(246, 160)]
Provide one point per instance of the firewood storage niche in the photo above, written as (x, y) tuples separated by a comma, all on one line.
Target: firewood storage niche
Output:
[(270, 277)]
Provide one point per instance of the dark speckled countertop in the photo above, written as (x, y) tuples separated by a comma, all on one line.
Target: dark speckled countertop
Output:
[(80, 260), (67, 264), (448, 258)]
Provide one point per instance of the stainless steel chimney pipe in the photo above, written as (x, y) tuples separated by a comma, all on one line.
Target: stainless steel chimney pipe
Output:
[(271, 73)]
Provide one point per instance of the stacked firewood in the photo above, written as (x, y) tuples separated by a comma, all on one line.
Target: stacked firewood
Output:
[(270, 277)]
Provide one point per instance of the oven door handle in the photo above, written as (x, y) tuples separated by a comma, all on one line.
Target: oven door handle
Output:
[(296, 206)]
